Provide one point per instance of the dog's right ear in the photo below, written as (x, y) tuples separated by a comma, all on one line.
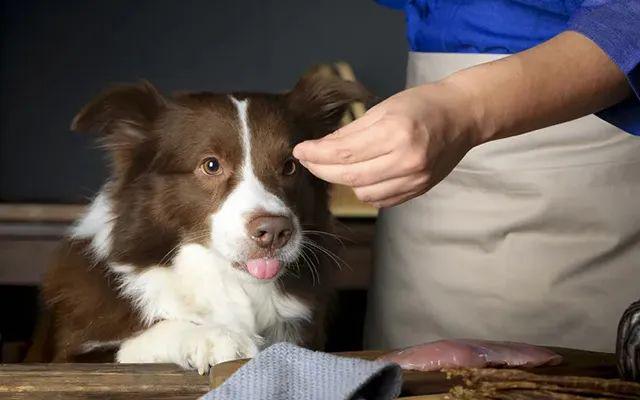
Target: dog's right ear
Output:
[(123, 116), (318, 101)]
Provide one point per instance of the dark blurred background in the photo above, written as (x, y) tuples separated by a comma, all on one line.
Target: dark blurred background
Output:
[(56, 55)]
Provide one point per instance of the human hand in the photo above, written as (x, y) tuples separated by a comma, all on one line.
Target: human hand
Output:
[(408, 143), (400, 148)]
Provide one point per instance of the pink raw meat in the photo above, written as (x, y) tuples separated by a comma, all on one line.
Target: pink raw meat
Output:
[(470, 353)]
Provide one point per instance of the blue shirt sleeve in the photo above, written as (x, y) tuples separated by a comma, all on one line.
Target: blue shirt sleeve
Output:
[(615, 27)]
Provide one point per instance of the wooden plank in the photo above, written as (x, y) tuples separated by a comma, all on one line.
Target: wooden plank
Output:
[(343, 203), (576, 362), (95, 396), (165, 381), (25, 212), (24, 262), (114, 381)]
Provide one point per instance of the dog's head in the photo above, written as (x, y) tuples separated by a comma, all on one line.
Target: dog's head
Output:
[(213, 169)]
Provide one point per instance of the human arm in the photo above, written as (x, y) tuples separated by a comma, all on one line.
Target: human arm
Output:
[(408, 143)]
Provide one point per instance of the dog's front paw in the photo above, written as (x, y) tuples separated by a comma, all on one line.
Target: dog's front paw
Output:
[(210, 346), (188, 345)]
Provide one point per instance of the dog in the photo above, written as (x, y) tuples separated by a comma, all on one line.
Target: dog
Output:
[(200, 246)]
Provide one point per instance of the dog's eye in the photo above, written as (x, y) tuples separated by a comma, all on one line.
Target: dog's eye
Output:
[(289, 168), (211, 166)]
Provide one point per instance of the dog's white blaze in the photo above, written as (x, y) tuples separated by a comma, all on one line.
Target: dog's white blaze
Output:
[(250, 195), (96, 225)]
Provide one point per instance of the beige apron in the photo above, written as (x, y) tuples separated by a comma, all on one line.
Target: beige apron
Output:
[(534, 238)]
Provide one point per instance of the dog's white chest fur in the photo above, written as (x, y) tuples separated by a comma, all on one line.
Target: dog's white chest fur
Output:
[(201, 288), (201, 313)]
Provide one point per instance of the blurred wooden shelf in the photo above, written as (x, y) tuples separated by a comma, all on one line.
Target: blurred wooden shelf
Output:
[(30, 233), (345, 204), (25, 212)]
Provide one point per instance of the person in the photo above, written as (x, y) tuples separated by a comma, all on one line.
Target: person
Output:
[(530, 229)]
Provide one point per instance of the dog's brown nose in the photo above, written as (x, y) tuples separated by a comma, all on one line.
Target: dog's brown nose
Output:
[(270, 231)]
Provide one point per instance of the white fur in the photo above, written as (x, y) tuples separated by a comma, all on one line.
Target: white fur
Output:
[(121, 268), (204, 298), (92, 345), (202, 288), (186, 344), (96, 225)]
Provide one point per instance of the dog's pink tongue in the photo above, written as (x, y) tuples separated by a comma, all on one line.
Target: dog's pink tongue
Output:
[(263, 268)]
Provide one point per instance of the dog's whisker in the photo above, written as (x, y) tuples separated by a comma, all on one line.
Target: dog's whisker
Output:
[(338, 238), (313, 253), (292, 273), (294, 264), (306, 263), (312, 268), (313, 250), (170, 254), (334, 257), (308, 244)]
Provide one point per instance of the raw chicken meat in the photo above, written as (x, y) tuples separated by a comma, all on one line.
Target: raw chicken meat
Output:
[(469, 353)]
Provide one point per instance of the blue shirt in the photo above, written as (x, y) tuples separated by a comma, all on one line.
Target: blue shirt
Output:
[(510, 26)]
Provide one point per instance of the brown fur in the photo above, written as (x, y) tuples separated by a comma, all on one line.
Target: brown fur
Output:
[(161, 197)]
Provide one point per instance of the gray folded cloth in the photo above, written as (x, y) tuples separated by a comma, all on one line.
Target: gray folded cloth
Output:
[(288, 372)]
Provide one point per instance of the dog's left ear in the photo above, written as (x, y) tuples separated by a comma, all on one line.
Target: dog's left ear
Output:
[(318, 101), (121, 110), (123, 117)]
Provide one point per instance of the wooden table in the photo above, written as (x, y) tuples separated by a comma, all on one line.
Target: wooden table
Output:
[(100, 381), (164, 381), (421, 384), (107, 381)]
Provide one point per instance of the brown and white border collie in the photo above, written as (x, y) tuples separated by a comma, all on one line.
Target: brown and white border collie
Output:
[(200, 247)]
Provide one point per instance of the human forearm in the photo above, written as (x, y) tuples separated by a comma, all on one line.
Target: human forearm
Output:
[(562, 79)]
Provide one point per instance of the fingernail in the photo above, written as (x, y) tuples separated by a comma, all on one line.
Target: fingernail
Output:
[(297, 153)]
